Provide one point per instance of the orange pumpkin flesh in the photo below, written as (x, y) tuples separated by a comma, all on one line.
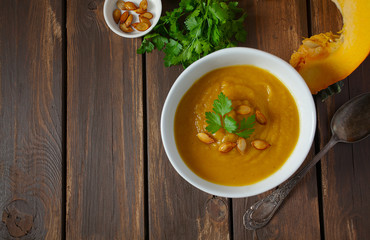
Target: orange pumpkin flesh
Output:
[(327, 58)]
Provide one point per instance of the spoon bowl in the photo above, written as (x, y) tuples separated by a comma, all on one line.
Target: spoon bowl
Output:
[(351, 122)]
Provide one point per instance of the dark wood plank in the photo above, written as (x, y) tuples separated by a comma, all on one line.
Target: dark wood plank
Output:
[(105, 155), (345, 191), (177, 210), (345, 178), (31, 134), (278, 27)]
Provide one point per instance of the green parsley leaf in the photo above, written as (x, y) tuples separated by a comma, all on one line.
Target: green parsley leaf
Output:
[(146, 46), (159, 42), (246, 127), (187, 4), (198, 46), (219, 14), (245, 133), (214, 122), (230, 124), (195, 29), (173, 47), (206, 47), (222, 105), (249, 123), (218, 119), (216, 36), (192, 23)]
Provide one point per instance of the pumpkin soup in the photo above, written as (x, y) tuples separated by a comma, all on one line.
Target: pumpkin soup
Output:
[(224, 157)]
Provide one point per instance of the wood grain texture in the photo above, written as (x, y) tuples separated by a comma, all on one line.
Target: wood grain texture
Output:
[(177, 210), (278, 27), (105, 163), (31, 119), (275, 26), (345, 178)]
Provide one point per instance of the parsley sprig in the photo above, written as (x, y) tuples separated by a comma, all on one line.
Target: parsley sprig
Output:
[(196, 28), (218, 119)]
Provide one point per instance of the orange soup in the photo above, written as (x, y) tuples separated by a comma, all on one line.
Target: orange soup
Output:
[(262, 93)]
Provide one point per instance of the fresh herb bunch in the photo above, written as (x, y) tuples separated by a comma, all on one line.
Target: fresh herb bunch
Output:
[(218, 119), (195, 29)]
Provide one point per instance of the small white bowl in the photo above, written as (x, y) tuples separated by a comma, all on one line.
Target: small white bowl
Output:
[(241, 56), (154, 7)]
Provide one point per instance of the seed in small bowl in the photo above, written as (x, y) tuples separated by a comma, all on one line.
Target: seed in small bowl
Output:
[(121, 5), (144, 5), (124, 28), (147, 15), (126, 18), (145, 20), (130, 6), (129, 20), (142, 26), (123, 17), (116, 15), (140, 11)]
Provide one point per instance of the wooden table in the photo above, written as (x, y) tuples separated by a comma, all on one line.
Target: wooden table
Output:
[(81, 155)]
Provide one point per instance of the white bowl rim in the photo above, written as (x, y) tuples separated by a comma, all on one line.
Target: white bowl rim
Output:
[(307, 117), (135, 34)]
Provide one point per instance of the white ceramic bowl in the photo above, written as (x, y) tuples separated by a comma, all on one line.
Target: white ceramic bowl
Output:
[(154, 7), (241, 56)]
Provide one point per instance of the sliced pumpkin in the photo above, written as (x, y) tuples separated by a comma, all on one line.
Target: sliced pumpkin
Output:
[(327, 58)]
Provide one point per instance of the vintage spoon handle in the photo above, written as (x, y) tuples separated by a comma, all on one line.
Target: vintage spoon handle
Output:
[(260, 213)]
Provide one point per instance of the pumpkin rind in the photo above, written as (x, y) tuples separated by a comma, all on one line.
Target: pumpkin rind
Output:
[(326, 58)]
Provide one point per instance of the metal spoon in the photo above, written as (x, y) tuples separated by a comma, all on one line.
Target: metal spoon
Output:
[(350, 123)]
